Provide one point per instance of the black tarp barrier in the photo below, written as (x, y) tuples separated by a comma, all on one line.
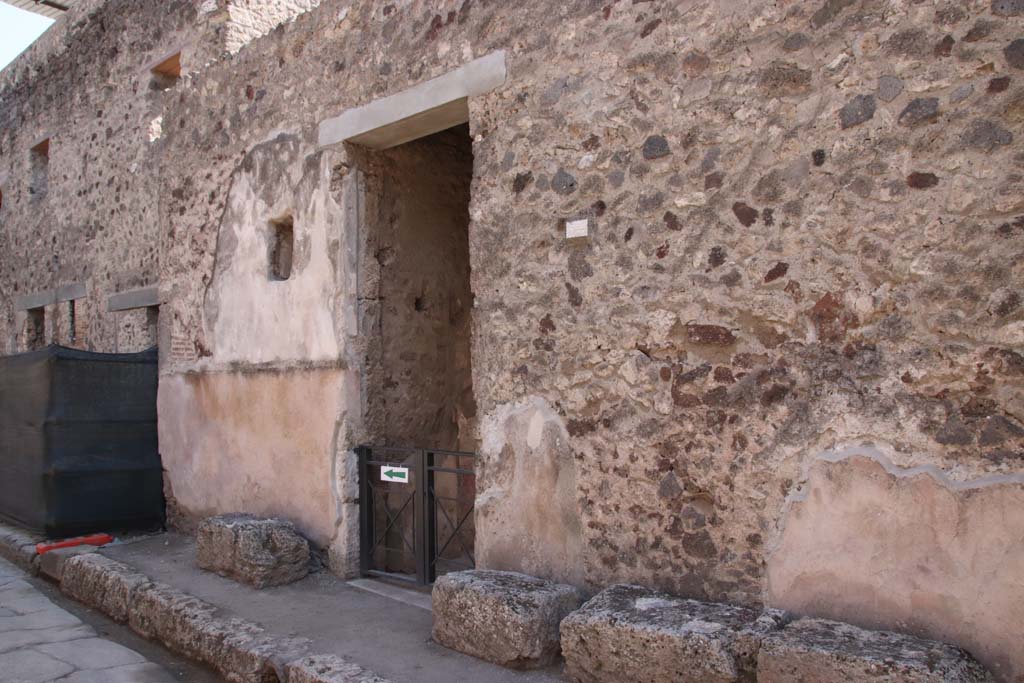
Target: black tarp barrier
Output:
[(78, 444)]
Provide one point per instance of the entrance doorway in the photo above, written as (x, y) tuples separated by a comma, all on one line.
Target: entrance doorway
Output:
[(420, 413), (416, 516)]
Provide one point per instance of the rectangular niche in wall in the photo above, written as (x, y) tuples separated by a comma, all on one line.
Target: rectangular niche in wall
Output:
[(35, 328), (282, 243), (167, 72), (39, 158)]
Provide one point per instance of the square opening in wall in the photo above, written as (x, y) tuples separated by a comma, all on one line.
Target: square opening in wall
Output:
[(35, 329), (39, 157), (167, 72), (282, 243)]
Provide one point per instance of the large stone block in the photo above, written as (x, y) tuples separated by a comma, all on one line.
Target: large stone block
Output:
[(504, 617), (631, 633), (822, 650), (258, 551)]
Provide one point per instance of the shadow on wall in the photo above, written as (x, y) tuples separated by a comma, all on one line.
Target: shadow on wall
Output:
[(907, 549)]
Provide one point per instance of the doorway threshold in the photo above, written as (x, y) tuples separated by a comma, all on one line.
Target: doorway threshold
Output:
[(389, 590)]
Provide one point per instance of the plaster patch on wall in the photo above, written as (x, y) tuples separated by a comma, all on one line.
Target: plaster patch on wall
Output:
[(250, 19), (527, 518), (865, 541), (252, 317), (258, 442)]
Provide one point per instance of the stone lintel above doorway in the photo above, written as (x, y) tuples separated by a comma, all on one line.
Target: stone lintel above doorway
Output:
[(46, 297), (143, 297), (421, 110)]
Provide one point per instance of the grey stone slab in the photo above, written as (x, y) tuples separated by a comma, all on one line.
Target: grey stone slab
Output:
[(503, 617), (45, 297), (75, 290), (91, 653), (16, 589), (21, 599), (30, 666), (132, 673), (16, 640), (134, 298), (421, 110), (31, 300), (45, 642), (50, 618)]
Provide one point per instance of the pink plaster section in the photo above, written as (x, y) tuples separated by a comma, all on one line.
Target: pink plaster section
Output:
[(257, 442), (907, 550)]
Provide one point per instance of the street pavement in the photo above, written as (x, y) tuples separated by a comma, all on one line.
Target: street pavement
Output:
[(40, 642)]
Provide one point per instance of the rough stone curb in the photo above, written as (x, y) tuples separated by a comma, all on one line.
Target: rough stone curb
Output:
[(19, 546), (329, 669), (240, 651)]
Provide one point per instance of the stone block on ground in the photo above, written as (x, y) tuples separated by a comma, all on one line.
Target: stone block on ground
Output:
[(631, 633), (503, 617), (822, 650), (258, 551)]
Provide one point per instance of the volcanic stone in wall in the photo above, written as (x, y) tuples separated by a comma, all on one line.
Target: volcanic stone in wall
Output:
[(258, 551)]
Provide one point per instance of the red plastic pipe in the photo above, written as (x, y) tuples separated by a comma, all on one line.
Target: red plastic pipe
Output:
[(92, 539)]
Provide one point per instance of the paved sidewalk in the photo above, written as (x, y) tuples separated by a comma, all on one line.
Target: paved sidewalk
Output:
[(387, 635), (41, 642)]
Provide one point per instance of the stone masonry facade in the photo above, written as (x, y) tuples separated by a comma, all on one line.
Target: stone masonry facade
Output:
[(784, 368)]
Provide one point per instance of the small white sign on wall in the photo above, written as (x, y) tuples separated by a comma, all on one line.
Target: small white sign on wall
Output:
[(577, 228), (396, 474)]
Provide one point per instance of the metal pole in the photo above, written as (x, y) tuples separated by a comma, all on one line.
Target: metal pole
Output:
[(365, 512), (419, 515)]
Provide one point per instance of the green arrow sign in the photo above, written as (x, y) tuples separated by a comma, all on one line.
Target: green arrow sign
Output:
[(399, 474)]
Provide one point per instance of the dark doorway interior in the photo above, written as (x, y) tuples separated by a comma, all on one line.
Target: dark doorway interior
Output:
[(416, 271), (419, 239)]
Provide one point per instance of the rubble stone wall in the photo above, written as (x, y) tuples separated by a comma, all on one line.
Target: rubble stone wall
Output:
[(806, 223), (417, 240), (86, 87)]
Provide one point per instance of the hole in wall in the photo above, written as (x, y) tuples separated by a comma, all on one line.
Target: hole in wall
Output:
[(269, 675), (35, 329), (71, 321), (39, 161), (282, 244), (166, 73)]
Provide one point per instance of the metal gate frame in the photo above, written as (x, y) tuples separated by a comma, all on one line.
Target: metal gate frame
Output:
[(422, 463)]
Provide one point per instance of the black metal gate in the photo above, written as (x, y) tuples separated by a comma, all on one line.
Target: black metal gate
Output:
[(415, 512)]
